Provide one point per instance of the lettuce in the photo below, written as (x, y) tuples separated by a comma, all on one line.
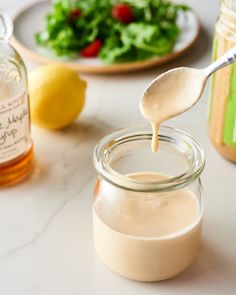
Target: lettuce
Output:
[(153, 32)]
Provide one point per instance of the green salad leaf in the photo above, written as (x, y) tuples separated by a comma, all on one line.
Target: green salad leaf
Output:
[(74, 25)]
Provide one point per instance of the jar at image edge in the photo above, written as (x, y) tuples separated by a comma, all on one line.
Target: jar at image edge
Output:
[(148, 208), (222, 111)]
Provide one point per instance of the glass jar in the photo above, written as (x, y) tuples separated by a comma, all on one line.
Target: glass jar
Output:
[(148, 207), (16, 155), (222, 114)]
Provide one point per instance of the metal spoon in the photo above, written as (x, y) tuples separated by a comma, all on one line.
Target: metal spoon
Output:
[(177, 90)]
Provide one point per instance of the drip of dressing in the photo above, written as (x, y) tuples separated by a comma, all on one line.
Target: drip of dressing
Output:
[(169, 95)]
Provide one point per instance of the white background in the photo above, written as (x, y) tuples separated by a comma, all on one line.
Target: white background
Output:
[(45, 223)]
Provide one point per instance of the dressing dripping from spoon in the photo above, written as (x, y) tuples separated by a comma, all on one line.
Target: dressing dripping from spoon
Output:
[(176, 91)]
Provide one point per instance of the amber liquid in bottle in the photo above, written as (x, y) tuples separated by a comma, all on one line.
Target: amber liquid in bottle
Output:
[(16, 170), (16, 149)]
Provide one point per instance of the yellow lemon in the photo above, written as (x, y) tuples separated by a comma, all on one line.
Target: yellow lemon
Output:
[(57, 95)]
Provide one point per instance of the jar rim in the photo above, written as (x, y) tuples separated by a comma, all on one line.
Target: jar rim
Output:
[(108, 143)]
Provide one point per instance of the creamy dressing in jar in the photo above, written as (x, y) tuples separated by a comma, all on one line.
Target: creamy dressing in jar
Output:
[(147, 224), (148, 237)]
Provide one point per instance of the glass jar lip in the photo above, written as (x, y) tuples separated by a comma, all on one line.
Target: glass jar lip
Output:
[(228, 8), (229, 4), (109, 142), (6, 25)]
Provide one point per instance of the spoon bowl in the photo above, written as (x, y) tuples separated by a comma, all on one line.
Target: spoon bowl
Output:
[(172, 93)]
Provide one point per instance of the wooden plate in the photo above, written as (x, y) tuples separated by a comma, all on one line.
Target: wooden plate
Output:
[(31, 20)]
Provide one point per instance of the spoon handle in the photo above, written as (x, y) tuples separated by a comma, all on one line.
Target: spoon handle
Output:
[(227, 58)]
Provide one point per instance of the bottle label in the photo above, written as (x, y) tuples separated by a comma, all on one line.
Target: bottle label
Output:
[(14, 127), (230, 112)]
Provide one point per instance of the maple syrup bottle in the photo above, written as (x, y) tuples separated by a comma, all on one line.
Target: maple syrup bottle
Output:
[(16, 148)]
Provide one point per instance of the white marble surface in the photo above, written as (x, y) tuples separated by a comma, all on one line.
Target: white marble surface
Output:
[(45, 223)]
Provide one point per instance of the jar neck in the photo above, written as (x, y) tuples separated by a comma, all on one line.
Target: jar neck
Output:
[(228, 14)]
